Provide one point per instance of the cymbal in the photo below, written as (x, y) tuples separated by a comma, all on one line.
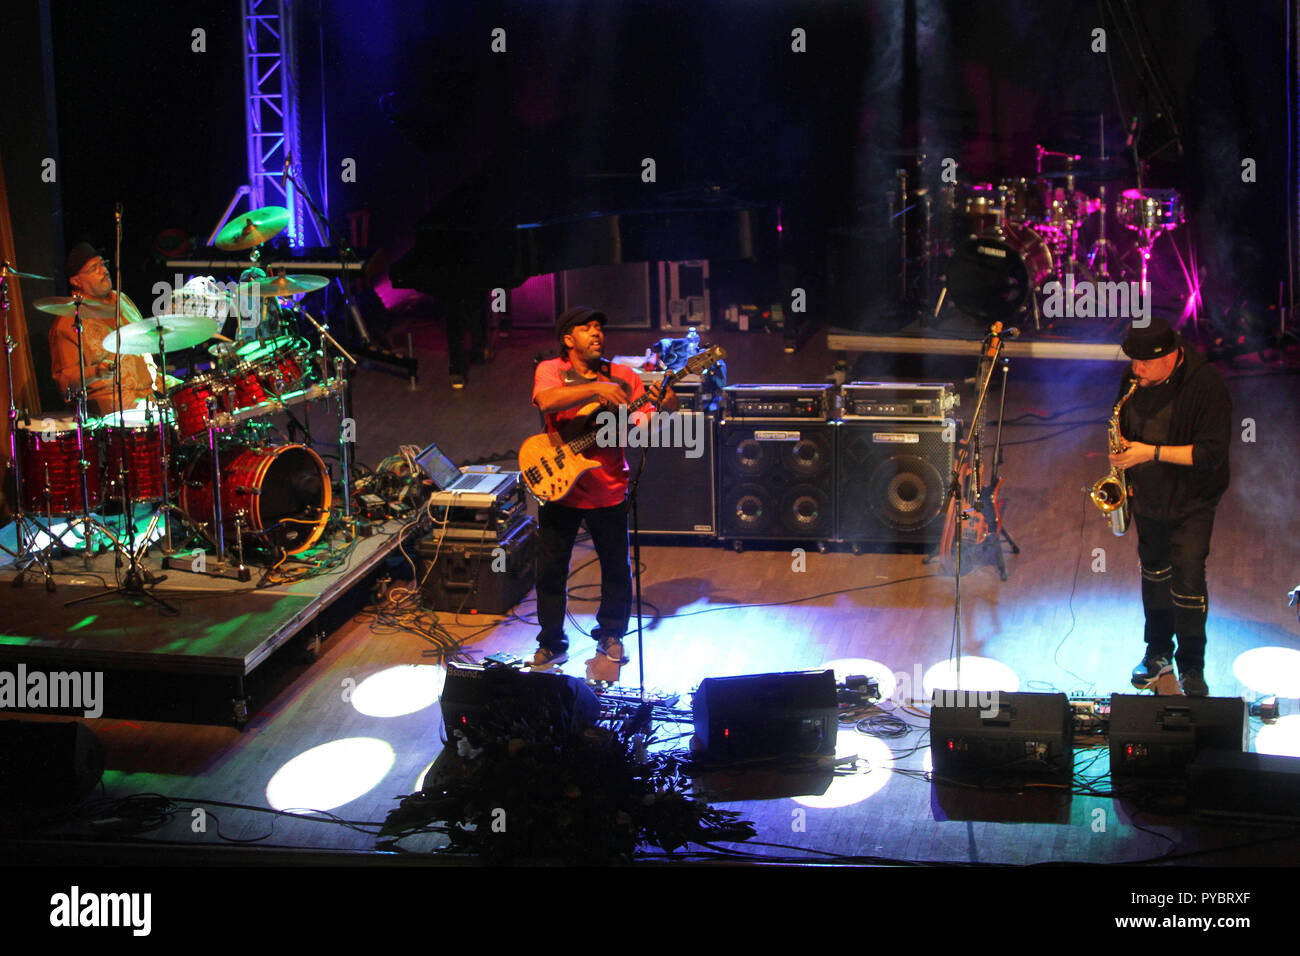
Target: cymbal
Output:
[(253, 228), (279, 286), (7, 270), (176, 331), (67, 305)]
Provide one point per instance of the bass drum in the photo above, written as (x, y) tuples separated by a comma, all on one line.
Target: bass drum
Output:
[(283, 494), (992, 277)]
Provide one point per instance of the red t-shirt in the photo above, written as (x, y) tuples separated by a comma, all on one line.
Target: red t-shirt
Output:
[(606, 486)]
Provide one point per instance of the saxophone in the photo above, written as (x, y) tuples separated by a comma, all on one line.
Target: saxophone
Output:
[(1110, 493)]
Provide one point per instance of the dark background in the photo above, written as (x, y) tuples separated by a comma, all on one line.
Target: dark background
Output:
[(413, 93)]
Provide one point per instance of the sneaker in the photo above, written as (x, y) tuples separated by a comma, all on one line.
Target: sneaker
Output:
[(1151, 668), (612, 647), (1193, 684), (547, 657), (458, 382)]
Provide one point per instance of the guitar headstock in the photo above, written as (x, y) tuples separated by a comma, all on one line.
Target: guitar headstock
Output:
[(698, 362)]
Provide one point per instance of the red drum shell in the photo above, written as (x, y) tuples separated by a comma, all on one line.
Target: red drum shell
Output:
[(283, 491), (50, 469)]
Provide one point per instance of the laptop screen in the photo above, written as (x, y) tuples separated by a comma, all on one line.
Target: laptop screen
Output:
[(440, 468)]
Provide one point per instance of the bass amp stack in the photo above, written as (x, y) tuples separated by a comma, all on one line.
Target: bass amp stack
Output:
[(868, 466)]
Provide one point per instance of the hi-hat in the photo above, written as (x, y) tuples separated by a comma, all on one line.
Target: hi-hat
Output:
[(253, 228), (280, 286), (177, 332), (67, 305)]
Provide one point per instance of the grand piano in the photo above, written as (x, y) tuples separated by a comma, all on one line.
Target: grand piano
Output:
[(517, 219)]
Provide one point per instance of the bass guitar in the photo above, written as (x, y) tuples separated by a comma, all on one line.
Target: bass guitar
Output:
[(553, 461)]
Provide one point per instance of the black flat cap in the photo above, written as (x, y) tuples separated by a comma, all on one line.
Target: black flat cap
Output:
[(1156, 340), (78, 256), (578, 315)]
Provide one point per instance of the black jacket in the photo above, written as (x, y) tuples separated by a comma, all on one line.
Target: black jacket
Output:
[(1192, 408)]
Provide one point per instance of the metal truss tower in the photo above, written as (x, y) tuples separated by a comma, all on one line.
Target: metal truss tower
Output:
[(271, 114)]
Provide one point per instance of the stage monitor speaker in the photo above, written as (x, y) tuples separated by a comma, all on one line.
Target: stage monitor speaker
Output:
[(1159, 736), (776, 480), (48, 764), (677, 494), (767, 715), (471, 692), (891, 478), (990, 733), (1246, 786)]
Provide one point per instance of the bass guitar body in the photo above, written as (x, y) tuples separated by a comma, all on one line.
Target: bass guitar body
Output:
[(550, 466)]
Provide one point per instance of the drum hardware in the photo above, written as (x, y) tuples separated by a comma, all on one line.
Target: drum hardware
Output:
[(137, 578), (27, 529)]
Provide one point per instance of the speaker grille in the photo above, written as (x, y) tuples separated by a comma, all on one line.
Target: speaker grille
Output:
[(892, 488), (776, 480)]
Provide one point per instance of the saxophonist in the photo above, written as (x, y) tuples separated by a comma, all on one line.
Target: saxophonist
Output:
[(1176, 427)]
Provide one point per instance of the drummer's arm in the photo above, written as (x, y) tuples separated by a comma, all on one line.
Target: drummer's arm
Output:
[(64, 361)]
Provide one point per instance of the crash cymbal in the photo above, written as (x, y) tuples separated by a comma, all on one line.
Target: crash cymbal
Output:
[(253, 228), (176, 332), (67, 305), (279, 286)]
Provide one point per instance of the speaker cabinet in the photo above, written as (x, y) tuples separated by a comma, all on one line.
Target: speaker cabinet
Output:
[(1159, 736), (994, 733), (677, 494), (620, 290), (472, 692), (890, 480), (48, 764), (767, 715), (776, 480)]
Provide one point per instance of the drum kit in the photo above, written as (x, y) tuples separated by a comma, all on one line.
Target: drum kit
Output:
[(1008, 239), (201, 454)]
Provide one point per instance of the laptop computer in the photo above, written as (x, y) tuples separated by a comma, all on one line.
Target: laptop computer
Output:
[(448, 479)]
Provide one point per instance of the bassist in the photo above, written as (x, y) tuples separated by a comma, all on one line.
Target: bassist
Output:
[(567, 390)]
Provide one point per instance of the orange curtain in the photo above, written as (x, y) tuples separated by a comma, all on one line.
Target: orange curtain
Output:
[(25, 392)]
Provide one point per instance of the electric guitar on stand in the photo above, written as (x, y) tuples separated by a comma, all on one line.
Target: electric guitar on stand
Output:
[(553, 461)]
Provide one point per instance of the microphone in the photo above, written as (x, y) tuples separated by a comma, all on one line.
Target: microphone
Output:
[(1133, 125), (117, 212)]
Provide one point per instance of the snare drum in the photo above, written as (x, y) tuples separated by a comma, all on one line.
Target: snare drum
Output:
[(1151, 210), (190, 401), (139, 432), (52, 464)]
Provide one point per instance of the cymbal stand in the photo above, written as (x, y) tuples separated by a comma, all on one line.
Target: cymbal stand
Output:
[(340, 381), (137, 577)]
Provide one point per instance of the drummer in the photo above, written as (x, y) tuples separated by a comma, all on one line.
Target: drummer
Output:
[(88, 277)]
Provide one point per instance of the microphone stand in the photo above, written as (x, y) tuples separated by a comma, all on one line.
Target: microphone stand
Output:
[(136, 576), (630, 505)]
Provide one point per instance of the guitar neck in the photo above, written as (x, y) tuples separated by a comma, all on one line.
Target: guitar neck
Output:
[(585, 440)]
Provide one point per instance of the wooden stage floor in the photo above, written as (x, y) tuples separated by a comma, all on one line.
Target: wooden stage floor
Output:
[(1067, 619)]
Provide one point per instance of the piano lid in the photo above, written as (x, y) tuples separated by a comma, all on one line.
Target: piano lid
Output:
[(514, 220)]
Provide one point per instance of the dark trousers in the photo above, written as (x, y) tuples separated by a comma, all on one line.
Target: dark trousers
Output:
[(557, 530), (465, 314), (1174, 593)]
